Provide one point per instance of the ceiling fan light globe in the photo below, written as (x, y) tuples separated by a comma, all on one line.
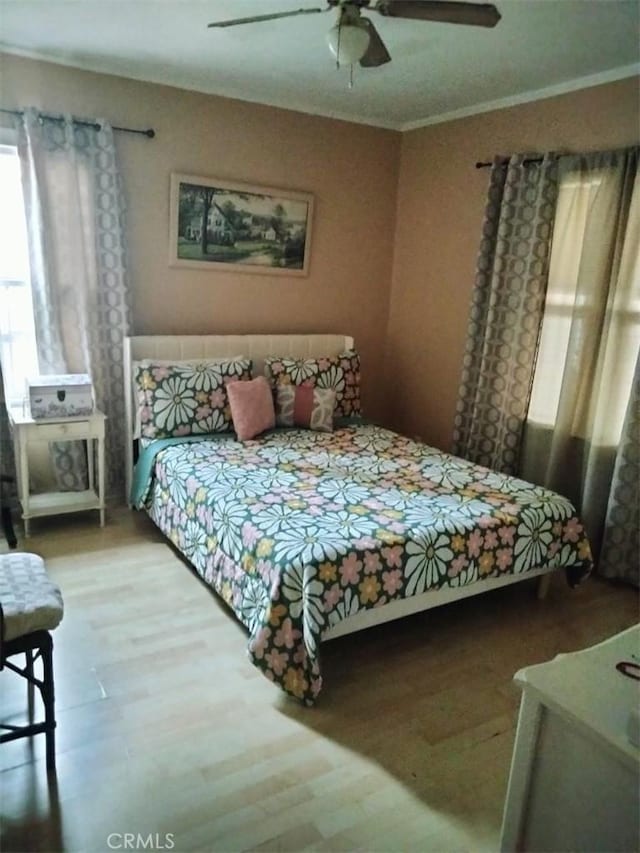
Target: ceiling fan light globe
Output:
[(348, 43)]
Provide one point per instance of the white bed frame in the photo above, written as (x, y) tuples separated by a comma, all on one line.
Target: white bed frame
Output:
[(258, 347)]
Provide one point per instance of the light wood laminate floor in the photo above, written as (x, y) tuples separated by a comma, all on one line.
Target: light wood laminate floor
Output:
[(164, 727)]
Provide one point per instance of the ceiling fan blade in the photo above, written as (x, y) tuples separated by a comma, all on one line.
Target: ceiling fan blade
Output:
[(272, 17), (377, 53), (442, 11)]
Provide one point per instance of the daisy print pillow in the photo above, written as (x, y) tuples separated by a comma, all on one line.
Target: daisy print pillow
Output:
[(339, 373), (187, 397)]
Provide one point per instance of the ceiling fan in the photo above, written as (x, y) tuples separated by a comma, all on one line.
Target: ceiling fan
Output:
[(355, 39)]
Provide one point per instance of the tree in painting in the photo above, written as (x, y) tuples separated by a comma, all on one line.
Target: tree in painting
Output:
[(207, 194)]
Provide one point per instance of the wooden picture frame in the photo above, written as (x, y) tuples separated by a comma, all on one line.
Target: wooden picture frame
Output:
[(234, 227)]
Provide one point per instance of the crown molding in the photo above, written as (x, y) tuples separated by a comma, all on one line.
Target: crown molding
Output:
[(574, 85)]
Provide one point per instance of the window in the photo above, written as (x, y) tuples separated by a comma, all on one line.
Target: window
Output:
[(571, 308), (18, 354)]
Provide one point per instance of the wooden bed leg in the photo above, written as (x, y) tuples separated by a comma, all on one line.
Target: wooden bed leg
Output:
[(543, 586)]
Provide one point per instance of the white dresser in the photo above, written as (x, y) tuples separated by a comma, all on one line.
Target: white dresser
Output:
[(575, 773)]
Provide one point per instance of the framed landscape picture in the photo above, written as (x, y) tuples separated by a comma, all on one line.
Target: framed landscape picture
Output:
[(230, 226)]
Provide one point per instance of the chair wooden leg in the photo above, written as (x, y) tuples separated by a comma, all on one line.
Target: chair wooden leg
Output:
[(7, 526), (48, 698), (30, 685)]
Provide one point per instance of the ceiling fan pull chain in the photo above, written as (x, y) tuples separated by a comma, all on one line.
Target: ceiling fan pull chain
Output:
[(351, 76)]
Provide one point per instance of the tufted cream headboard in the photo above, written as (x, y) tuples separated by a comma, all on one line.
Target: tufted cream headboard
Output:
[(255, 347)]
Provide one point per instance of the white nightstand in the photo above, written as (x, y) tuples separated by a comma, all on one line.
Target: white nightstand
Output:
[(575, 773), (89, 428)]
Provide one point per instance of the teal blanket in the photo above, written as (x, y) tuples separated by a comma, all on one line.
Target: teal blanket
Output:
[(142, 473)]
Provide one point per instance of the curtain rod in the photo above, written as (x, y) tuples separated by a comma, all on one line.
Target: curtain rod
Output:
[(150, 132), (506, 162)]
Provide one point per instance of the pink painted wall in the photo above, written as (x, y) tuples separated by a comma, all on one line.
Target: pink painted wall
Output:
[(441, 198), (352, 171), (397, 217)]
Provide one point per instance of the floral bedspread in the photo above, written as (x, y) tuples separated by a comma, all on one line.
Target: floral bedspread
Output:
[(299, 530)]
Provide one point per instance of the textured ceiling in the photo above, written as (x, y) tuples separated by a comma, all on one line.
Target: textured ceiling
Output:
[(437, 69)]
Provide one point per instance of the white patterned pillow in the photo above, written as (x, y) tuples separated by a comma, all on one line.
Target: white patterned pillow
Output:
[(186, 398), (304, 406)]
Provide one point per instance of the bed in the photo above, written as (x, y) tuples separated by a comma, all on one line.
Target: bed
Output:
[(309, 535)]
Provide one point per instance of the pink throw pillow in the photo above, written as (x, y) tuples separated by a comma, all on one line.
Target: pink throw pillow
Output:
[(251, 405)]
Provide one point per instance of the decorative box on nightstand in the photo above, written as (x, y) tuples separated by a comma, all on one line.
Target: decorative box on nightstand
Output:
[(67, 395), (26, 430)]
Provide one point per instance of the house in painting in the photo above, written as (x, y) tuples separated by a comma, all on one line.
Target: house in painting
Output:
[(219, 229)]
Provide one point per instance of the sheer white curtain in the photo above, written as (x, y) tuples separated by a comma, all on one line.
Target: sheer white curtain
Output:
[(79, 283), (17, 335), (590, 334)]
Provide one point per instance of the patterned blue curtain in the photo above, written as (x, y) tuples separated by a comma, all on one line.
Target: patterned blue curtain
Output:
[(506, 312), (75, 220), (620, 554)]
